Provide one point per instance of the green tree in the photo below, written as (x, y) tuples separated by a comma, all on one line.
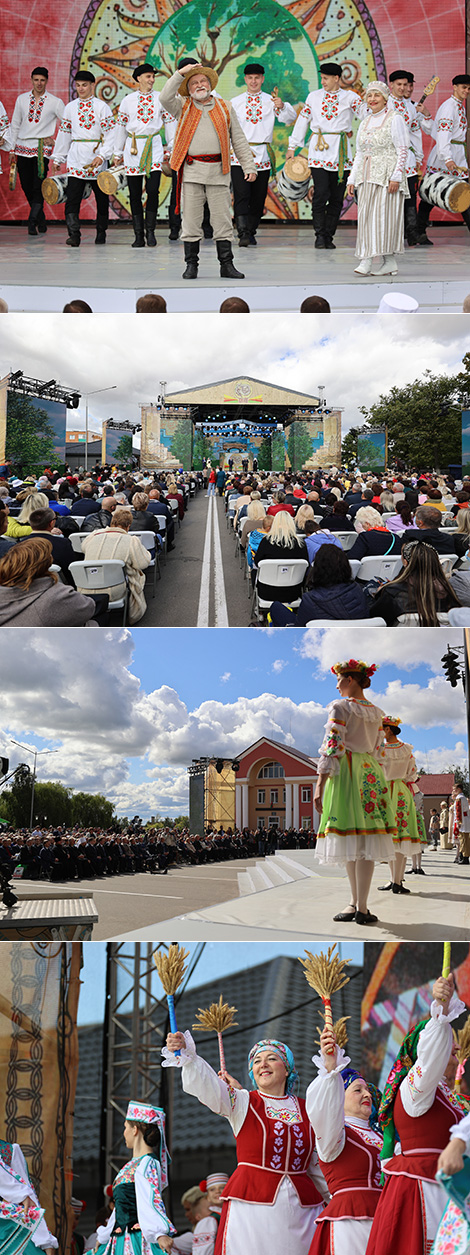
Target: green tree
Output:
[(278, 451), (92, 809), (299, 444), (264, 454), (461, 777), (52, 803), (349, 446), (423, 420), (181, 442), (368, 454), (16, 801), (202, 448), (30, 437), (123, 452), (217, 32)]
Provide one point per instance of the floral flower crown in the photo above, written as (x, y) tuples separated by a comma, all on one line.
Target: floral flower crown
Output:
[(354, 664), (391, 721)]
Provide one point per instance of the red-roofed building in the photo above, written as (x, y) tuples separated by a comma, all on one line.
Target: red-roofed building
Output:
[(275, 787), (436, 789)]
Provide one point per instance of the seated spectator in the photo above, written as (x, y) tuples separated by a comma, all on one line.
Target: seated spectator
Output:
[(280, 504), (281, 543), (115, 542), (32, 596), (77, 307), (365, 500), (427, 524), (42, 523), (373, 537), (5, 541), (434, 497), (102, 517), (315, 305), (86, 503), (402, 520), (304, 513), (254, 514), (151, 303), (387, 501), (173, 494), (234, 305), (330, 593), (462, 501), (143, 519), (461, 537), (315, 536), (339, 520), (159, 507), (421, 588), (30, 500), (254, 538)]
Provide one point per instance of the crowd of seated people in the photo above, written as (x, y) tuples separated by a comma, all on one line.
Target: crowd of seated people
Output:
[(38, 518), (335, 519), (62, 854)]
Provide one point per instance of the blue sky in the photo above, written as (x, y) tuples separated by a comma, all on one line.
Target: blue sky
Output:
[(127, 711)]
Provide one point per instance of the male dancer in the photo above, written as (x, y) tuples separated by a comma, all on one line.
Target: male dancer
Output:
[(85, 142), (32, 134), (414, 117), (137, 140), (329, 111), (449, 152), (174, 218), (257, 113), (201, 155)]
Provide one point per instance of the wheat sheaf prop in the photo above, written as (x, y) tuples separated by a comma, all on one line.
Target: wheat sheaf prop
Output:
[(217, 1017), (171, 970), (340, 1031), (326, 974)]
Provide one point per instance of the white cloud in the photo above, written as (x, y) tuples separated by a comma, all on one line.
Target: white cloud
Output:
[(406, 648), (436, 703), (278, 665), (225, 677), (442, 758)]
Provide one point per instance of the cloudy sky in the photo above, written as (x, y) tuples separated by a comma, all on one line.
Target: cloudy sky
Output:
[(356, 359), (126, 712)]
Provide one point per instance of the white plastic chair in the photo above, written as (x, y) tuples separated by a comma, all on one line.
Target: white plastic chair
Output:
[(351, 623), (149, 541), (348, 539), (94, 577), (76, 538), (447, 561), (279, 572), (411, 620), (459, 616), (354, 564), (378, 566)]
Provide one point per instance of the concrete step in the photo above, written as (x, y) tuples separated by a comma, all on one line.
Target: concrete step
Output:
[(245, 884), (261, 880), (296, 868), (278, 875)]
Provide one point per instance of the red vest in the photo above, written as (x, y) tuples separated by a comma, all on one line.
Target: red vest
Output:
[(269, 1150), (422, 1138), (353, 1179)]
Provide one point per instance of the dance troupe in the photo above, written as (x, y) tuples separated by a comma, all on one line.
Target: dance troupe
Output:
[(347, 1171), (215, 148)]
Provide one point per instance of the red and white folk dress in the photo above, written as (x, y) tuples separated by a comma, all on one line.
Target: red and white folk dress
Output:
[(349, 1156), (272, 1199), (425, 1112)]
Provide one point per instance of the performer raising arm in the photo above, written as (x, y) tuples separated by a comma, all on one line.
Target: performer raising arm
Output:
[(257, 112)]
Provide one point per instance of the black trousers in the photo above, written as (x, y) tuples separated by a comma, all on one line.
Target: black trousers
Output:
[(29, 179), (135, 183), (328, 196), (411, 217), (74, 197), (174, 219), (249, 198)]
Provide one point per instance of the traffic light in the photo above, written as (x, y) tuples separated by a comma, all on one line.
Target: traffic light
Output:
[(451, 666), (4, 765)]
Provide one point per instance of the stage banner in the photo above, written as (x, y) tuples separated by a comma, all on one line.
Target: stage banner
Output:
[(398, 981), (196, 805), (290, 39), (167, 440), (116, 446), (39, 990), (35, 433), (372, 450), (465, 442)]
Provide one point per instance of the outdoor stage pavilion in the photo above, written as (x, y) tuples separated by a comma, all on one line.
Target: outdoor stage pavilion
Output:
[(244, 420)]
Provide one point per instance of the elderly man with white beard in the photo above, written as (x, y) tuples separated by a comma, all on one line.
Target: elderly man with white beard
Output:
[(207, 125)]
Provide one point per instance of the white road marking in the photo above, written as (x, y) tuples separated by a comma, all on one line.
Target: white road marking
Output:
[(203, 608), (221, 613)]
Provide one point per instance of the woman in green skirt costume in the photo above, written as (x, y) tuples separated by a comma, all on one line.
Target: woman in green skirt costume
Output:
[(352, 796), (22, 1224), (139, 1224), (402, 773)]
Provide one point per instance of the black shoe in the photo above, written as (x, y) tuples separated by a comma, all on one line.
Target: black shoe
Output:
[(329, 242), (225, 255), (174, 233), (365, 919), (73, 227), (412, 240), (400, 889), (170, 548), (420, 871), (138, 225), (344, 916), (423, 241), (100, 237), (139, 242), (32, 229), (252, 240), (73, 241), (384, 888), (191, 257), (150, 224), (320, 241)]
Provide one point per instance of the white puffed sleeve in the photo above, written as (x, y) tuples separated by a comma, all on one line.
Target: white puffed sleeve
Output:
[(41, 1236), (324, 1101), (200, 1080), (418, 1089), (104, 1231), (462, 1130), (205, 1233), (333, 745), (151, 1213)]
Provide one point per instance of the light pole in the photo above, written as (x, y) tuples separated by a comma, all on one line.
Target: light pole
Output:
[(35, 752), (92, 394)]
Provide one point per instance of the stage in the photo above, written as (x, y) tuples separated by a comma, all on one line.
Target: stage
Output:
[(41, 274)]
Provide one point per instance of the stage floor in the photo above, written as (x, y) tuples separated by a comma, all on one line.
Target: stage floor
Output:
[(41, 273)]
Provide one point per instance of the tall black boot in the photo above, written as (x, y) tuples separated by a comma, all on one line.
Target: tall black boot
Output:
[(150, 224), (318, 219), (331, 223), (33, 217), (253, 224), (101, 228), (243, 228), (225, 255), (72, 223), (138, 224), (191, 257), (42, 224)]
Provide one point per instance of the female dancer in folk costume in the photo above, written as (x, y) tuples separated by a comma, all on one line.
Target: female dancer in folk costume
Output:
[(453, 1234), (418, 1108), (352, 796), (378, 173), (342, 1108), (275, 1194), (22, 1223), (401, 771), (139, 1224)]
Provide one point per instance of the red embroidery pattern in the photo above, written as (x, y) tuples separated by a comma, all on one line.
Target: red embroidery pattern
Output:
[(35, 109), (330, 105), (254, 108), (145, 109), (86, 114)]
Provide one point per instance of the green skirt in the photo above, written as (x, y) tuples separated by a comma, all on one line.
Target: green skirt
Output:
[(407, 840), (358, 816), (15, 1238), (131, 1242)]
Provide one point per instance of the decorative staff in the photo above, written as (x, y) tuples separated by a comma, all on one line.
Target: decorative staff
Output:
[(217, 1017), (326, 974), (171, 970), (446, 960)]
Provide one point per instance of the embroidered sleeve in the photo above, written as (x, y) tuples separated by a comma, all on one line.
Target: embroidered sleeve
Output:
[(445, 128), (300, 129), (333, 745), (324, 1101), (358, 106), (401, 141), (151, 1212), (63, 139), (418, 1090)]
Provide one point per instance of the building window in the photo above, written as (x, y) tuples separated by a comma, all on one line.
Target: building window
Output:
[(272, 771), (283, 795), (273, 796), (261, 796), (305, 821), (306, 795), (273, 821)]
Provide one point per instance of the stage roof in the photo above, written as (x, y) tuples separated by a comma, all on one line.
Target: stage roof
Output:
[(242, 391)]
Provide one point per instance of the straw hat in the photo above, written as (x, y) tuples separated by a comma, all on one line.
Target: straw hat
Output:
[(199, 69)]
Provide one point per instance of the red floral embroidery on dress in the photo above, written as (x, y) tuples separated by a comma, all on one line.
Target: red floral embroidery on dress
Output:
[(445, 124), (35, 109)]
